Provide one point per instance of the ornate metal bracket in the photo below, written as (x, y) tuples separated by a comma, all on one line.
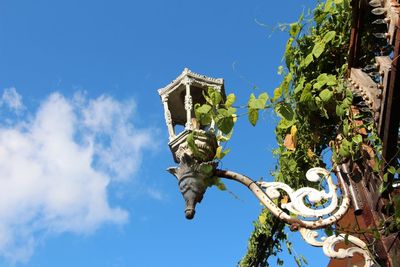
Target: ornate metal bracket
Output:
[(308, 216), (328, 245)]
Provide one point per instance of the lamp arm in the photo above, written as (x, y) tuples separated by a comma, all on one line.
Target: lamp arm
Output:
[(318, 218), (267, 191)]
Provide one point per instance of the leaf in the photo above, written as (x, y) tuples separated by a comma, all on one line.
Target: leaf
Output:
[(277, 94), (289, 142), (207, 98), (280, 70), (262, 98), (225, 124), (285, 111), (220, 185), (285, 199), (288, 46), (306, 94), (230, 99), (262, 218), (357, 139), (382, 188), (318, 49), (309, 58), (344, 149), (293, 132), (392, 170), (253, 116), (329, 36), (203, 109), (331, 80), (300, 85), (191, 143), (258, 103), (206, 168), (326, 95), (221, 154), (215, 96), (294, 29), (284, 124), (252, 99), (328, 6), (340, 111), (310, 154), (346, 238), (286, 82)]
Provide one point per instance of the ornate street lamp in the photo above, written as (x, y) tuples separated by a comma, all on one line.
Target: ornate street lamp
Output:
[(179, 99)]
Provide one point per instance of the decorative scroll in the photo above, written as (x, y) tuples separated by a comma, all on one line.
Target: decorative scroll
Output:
[(300, 201), (328, 245), (298, 198)]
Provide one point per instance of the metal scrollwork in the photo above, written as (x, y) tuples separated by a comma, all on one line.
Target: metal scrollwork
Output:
[(298, 198), (328, 245)]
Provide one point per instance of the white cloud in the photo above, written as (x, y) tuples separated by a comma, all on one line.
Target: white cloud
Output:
[(55, 168), (12, 99)]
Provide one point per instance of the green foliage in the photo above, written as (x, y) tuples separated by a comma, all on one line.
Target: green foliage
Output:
[(217, 111), (313, 105)]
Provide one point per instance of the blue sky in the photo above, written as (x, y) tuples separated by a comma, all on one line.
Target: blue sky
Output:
[(83, 142)]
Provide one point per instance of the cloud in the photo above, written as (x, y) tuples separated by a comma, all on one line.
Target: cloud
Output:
[(12, 99), (56, 166)]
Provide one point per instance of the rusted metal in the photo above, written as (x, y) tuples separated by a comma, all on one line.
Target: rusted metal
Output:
[(392, 111), (355, 36), (384, 64)]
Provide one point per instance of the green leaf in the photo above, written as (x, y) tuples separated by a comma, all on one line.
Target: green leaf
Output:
[(340, 111), (300, 85), (225, 124), (346, 127), (203, 109), (220, 185), (277, 94), (206, 169), (191, 143), (326, 95), (285, 111), (382, 188), (392, 170), (263, 97), (329, 36), (346, 239), (286, 83), (280, 70), (262, 218), (294, 29), (309, 58), (288, 47), (318, 49), (258, 103), (285, 124), (345, 148), (206, 97), (328, 6), (252, 99), (357, 139), (230, 99), (231, 111), (253, 116), (221, 154), (215, 96), (306, 94), (331, 80)]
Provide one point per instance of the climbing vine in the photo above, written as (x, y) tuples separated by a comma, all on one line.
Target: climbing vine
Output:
[(317, 113)]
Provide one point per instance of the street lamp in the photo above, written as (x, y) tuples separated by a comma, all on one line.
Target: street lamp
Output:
[(300, 213)]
